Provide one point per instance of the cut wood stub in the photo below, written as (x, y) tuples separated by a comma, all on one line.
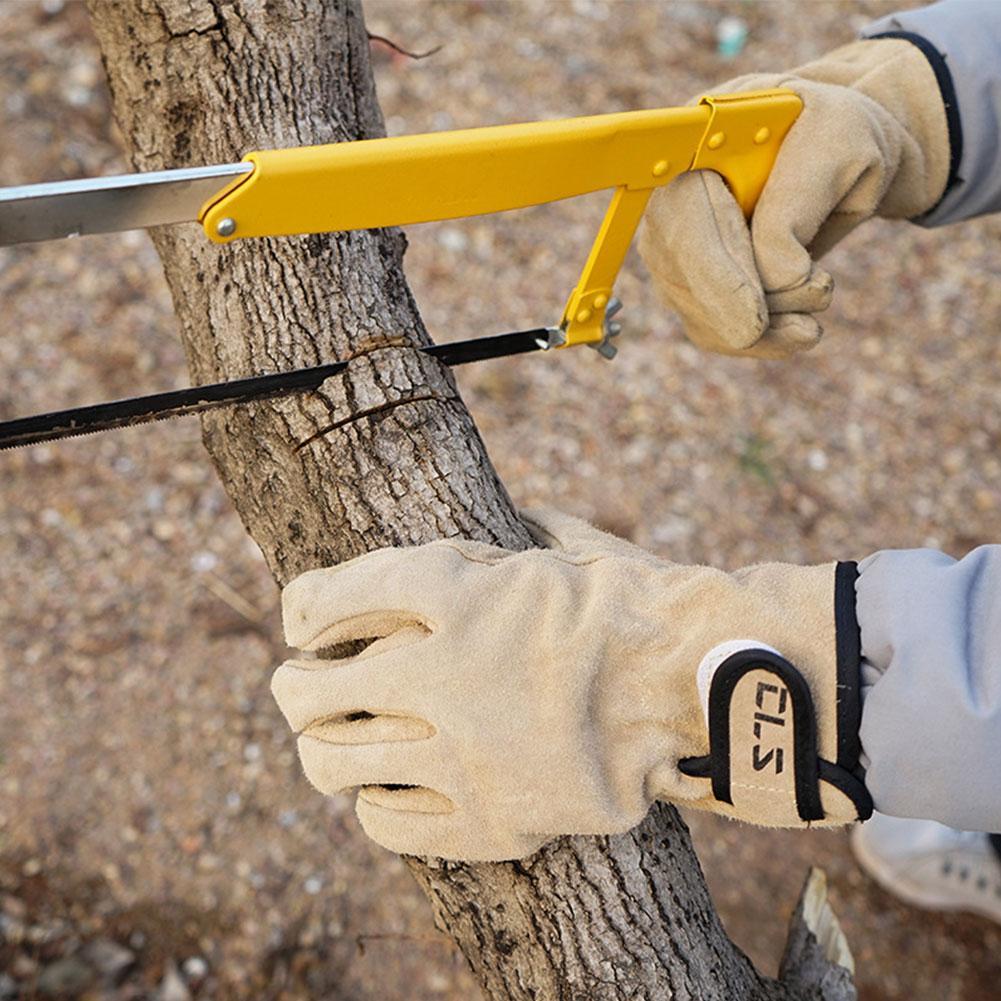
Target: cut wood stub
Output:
[(817, 960)]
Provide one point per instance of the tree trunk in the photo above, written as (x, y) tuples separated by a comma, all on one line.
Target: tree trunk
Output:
[(385, 454)]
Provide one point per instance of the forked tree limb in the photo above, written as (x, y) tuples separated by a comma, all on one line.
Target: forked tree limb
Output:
[(204, 81)]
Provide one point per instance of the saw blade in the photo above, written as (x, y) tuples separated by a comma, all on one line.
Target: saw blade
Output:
[(59, 424), (59, 209)]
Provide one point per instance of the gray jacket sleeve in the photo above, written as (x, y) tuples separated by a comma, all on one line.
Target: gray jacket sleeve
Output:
[(965, 47), (931, 684)]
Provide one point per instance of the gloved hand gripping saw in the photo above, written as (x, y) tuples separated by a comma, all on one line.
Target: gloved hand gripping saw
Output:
[(405, 180)]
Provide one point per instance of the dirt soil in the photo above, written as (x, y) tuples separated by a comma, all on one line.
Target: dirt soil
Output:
[(156, 837)]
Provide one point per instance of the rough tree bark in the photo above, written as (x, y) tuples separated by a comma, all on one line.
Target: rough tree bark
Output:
[(386, 454)]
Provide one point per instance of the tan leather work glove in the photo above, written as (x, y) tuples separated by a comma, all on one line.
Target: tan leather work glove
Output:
[(871, 139), (513, 697)]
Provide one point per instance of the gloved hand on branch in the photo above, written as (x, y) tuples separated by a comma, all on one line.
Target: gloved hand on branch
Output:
[(510, 698), (872, 140)]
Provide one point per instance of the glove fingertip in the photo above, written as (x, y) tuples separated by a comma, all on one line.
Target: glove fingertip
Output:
[(295, 616), (546, 525), (302, 596), (788, 334), (821, 284), (280, 687), (812, 295)]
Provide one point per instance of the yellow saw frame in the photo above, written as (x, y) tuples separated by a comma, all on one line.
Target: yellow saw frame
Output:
[(448, 175)]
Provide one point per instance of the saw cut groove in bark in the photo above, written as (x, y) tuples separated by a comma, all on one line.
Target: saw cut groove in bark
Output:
[(373, 412), (589, 919)]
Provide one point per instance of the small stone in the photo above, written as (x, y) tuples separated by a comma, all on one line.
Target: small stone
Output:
[(195, 968), (23, 966), (806, 506), (13, 906), (204, 561), (164, 529), (154, 499), (313, 885), (77, 96), (172, 987), (191, 844), (817, 460), (11, 930), (438, 983), (68, 976), (453, 239), (32, 867), (954, 460), (985, 500), (109, 958), (43, 933)]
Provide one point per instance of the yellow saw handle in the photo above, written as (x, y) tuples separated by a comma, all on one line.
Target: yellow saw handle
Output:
[(449, 175)]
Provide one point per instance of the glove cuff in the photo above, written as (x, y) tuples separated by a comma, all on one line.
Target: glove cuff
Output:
[(898, 76), (764, 720)]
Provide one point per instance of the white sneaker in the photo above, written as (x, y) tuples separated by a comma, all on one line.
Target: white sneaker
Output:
[(930, 865)]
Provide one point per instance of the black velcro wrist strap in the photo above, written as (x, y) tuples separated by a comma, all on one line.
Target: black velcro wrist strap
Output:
[(764, 760)]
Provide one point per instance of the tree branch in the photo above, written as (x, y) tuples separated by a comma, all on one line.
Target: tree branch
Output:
[(204, 82)]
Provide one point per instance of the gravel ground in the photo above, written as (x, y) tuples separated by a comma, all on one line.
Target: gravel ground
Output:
[(156, 837)]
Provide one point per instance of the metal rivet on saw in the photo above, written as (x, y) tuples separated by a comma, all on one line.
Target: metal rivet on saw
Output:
[(226, 226)]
